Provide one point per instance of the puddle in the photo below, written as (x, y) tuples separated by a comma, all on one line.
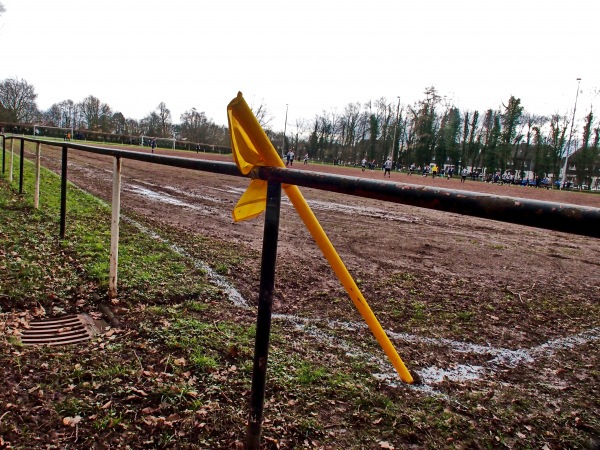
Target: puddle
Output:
[(315, 205), (152, 195), (194, 194), (170, 200), (361, 211)]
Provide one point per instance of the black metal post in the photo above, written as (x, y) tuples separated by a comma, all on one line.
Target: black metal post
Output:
[(21, 166), (3, 153), (63, 194), (263, 319)]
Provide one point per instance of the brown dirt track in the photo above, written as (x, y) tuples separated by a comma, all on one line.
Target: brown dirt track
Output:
[(426, 274)]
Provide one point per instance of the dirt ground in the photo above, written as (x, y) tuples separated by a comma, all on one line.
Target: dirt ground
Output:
[(446, 287), (375, 239)]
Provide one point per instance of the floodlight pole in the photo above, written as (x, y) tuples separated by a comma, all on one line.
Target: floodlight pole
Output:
[(395, 133), (564, 177), (284, 129)]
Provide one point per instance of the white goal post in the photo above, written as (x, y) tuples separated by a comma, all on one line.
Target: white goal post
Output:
[(54, 132)]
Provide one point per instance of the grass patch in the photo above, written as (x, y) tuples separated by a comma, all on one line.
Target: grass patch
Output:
[(147, 267)]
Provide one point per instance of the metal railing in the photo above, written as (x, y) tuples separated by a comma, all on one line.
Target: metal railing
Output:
[(568, 218), (562, 217)]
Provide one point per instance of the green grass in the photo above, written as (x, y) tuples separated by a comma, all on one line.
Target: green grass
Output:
[(308, 374), (146, 267)]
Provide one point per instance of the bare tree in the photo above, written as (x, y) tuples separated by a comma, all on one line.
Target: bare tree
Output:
[(119, 123), (164, 117), (151, 125), (106, 118), (68, 109), (262, 113), (386, 116), (90, 109), (133, 127), (53, 115), (194, 126), (301, 127), (18, 98)]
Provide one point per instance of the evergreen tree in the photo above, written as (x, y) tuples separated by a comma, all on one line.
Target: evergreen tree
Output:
[(508, 138), (473, 146), (373, 133), (452, 136), (558, 130), (586, 155)]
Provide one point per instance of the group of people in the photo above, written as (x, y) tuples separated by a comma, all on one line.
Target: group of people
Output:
[(290, 156), (425, 170), (509, 178), (386, 166), (433, 169), (364, 164)]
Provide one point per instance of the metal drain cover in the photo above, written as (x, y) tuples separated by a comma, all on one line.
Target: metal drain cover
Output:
[(65, 330)]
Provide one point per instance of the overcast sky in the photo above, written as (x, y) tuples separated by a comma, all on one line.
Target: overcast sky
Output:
[(312, 55)]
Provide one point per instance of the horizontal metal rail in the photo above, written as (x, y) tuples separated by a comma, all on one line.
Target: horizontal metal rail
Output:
[(564, 217), (224, 168), (568, 218)]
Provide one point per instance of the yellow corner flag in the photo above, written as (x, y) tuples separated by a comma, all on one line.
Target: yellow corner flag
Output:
[(251, 147)]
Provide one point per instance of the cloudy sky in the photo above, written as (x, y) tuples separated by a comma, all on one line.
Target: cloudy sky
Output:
[(312, 55)]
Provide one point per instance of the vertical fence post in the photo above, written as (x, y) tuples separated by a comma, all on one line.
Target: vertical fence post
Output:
[(21, 166), (3, 153), (12, 154), (263, 319), (36, 195), (63, 193), (114, 228)]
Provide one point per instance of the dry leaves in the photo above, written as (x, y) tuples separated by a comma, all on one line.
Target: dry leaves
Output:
[(71, 421)]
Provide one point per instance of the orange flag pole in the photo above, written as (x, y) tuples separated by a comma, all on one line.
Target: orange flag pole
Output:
[(251, 147)]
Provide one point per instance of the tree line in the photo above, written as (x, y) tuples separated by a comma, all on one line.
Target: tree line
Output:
[(507, 139), (18, 105)]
